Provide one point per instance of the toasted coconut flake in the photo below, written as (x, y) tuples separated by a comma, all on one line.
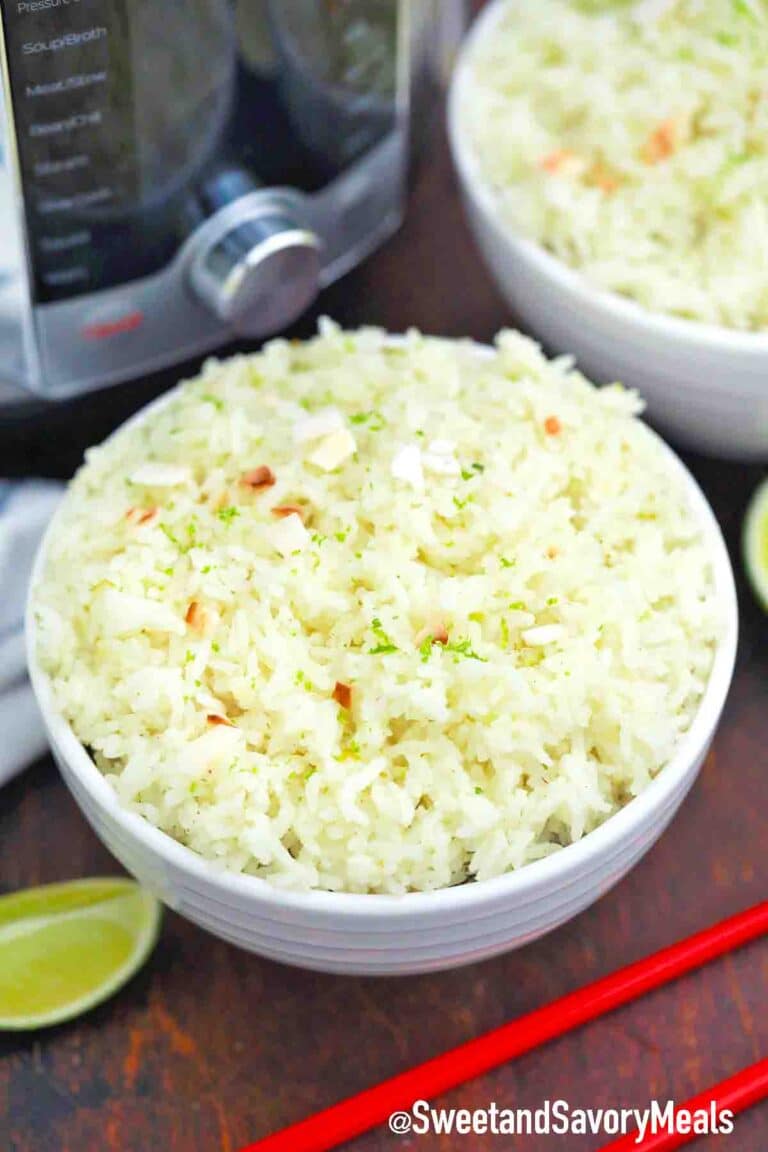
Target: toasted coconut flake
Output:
[(553, 161), (283, 510), (562, 162), (141, 515), (542, 635), (552, 426), (160, 475), (437, 633), (261, 477), (215, 720), (407, 466), (661, 143), (333, 450), (342, 694), (318, 425), (289, 535), (196, 616)]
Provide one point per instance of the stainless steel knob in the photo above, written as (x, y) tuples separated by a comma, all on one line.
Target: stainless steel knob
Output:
[(258, 272)]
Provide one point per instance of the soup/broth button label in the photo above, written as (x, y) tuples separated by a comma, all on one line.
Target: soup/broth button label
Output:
[(64, 41)]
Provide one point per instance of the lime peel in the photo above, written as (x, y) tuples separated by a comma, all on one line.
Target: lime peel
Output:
[(64, 948), (755, 543)]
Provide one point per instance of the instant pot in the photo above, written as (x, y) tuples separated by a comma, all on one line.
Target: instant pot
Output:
[(178, 172)]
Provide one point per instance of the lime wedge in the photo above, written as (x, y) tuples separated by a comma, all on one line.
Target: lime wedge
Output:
[(756, 543), (66, 947)]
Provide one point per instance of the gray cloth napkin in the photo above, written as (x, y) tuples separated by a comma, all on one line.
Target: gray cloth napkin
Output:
[(25, 509)]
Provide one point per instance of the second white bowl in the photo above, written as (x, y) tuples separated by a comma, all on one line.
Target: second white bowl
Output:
[(705, 385)]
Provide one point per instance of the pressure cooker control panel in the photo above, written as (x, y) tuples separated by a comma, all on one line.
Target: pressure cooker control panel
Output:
[(193, 168), (118, 106), (74, 128)]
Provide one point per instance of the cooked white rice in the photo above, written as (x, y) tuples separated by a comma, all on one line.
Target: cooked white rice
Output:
[(499, 564), (631, 140)]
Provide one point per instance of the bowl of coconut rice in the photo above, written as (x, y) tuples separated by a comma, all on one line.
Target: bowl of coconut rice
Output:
[(613, 164), (382, 654)]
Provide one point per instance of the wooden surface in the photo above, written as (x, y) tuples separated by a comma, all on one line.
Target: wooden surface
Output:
[(210, 1048)]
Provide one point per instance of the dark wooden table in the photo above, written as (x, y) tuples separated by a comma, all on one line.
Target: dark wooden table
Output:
[(209, 1048)]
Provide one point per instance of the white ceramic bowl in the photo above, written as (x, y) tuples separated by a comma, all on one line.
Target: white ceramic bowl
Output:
[(705, 385), (419, 932)]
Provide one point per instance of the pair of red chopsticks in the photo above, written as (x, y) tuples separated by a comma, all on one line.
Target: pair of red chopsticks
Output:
[(358, 1114)]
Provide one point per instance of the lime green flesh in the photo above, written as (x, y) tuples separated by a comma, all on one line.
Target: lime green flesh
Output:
[(67, 947), (756, 543)]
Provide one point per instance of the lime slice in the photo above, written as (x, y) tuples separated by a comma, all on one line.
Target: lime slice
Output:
[(756, 543), (66, 947)]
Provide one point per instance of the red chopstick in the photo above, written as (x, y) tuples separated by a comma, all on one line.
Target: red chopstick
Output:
[(733, 1095), (349, 1118)]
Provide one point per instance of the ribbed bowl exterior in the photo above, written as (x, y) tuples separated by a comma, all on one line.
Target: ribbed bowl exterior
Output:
[(426, 940)]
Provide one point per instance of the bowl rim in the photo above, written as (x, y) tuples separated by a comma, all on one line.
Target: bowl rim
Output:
[(699, 335), (546, 872)]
